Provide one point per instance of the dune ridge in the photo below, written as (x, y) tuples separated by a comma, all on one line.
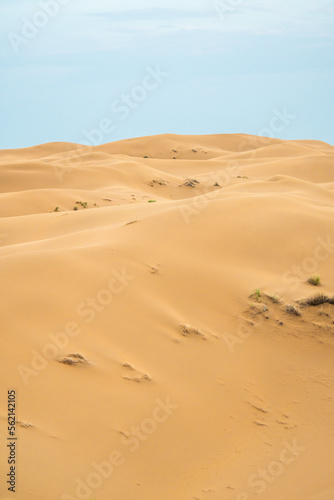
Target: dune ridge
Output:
[(147, 324)]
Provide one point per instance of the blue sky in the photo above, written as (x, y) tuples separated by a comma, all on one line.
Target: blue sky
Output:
[(83, 70)]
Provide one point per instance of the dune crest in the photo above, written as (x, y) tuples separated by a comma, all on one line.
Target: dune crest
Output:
[(177, 269)]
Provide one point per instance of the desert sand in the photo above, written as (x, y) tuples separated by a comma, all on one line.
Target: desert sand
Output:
[(145, 329)]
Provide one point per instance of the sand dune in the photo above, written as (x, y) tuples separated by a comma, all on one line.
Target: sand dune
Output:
[(146, 325)]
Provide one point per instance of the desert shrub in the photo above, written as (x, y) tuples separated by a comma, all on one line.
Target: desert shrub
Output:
[(317, 300), (315, 280)]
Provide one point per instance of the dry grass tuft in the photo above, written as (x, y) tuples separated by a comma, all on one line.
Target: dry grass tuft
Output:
[(275, 298), (73, 360), (317, 300), (187, 330), (291, 309)]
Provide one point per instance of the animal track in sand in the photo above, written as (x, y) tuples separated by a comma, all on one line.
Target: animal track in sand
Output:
[(155, 270), (24, 425), (258, 408), (127, 365), (140, 377)]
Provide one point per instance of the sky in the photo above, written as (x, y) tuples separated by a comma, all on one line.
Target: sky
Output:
[(97, 71)]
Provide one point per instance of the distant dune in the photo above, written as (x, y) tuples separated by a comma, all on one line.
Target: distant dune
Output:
[(154, 319)]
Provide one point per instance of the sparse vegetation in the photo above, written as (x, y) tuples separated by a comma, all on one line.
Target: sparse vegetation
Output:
[(75, 207), (216, 184), (152, 201), (274, 298), (191, 183), (317, 300), (84, 204), (257, 308), (160, 182), (256, 295), (56, 209), (73, 360), (315, 280), (189, 330), (146, 156), (291, 309)]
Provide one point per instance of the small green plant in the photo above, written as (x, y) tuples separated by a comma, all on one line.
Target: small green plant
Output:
[(290, 309), (256, 295), (75, 207), (56, 209), (146, 156), (152, 201), (315, 280), (216, 184), (84, 204)]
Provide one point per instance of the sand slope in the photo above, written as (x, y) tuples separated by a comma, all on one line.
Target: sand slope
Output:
[(184, 385)]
